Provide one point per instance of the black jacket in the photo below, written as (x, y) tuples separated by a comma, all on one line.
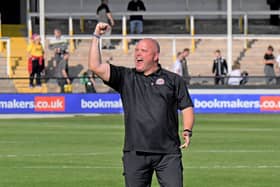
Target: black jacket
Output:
[(136, 6), (220, 66)]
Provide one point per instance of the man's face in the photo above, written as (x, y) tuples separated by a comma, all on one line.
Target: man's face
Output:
[(186, 53), (145, 55), (217, 54), (269, 51), (57, 33)]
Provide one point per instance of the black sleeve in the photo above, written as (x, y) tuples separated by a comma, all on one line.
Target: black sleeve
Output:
[(116, 80), (183, 96), (142, 6), (107, 9), (213, 67), (129, 6), (225, 64)]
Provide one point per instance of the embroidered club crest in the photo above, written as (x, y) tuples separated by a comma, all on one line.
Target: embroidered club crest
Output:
[(160, 81)]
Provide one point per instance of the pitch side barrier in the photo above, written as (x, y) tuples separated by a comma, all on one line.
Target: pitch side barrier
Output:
[(205, 101)]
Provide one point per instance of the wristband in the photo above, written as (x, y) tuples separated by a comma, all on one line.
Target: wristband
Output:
[(96, 36), (187, 132)]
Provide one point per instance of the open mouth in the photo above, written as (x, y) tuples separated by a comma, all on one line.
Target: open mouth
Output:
[(139, 60)]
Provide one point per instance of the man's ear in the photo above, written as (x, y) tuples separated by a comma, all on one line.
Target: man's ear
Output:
[(156, 58)]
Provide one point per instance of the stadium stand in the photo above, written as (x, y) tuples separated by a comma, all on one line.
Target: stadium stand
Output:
[(200, 61), (19, 59)]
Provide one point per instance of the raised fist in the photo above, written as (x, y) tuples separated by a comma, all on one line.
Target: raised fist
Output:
[(101, 28)]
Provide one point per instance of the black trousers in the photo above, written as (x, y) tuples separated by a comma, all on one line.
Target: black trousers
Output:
[(62, 82), (139, 168), (36, 70), (218, 79)]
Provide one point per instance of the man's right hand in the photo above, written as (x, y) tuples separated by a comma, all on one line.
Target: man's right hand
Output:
[(101, 28)]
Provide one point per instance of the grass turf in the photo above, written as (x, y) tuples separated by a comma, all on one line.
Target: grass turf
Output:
[(226, 151)]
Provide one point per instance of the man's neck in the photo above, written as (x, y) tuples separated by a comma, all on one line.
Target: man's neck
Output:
[(152, 70)]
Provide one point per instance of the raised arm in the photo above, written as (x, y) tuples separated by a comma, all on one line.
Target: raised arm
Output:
[(95, 61)]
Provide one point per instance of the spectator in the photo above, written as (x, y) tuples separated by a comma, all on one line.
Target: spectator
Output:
[(58, 44), (278, 69), (219, 68), (88, 81), (244, 77), (136, 21), (269, 61), (185, 69), (62, 73), (36, 64), (273, 5), (235, 75), (177, 67), (104, 15), (180, 67)]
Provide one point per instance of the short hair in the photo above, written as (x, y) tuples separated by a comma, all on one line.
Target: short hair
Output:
[(270, 48), (186, 50), (218, 51), (236, 66), (179, 53), (57, 29)]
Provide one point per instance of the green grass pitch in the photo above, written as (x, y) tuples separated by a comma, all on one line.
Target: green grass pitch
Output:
[(85, 151)]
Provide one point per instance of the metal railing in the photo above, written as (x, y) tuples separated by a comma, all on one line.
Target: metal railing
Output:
[(196, 82), (242, 15)]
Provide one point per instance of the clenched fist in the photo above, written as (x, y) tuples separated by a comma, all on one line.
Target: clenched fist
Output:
[(101, 28)]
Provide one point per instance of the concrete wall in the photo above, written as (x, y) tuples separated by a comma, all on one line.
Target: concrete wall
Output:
[(156, 5)]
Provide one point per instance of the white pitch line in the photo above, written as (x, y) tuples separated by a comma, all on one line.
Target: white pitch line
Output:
[(106, 153), (235, 151), (9, 142), (120, 167), (56, 154)]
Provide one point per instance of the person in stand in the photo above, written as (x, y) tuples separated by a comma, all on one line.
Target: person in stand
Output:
[(269, 61), (104, 15), (185, 69), (58, 44), (88, 81), (219, 68), (235, 75), (151, 97), (278, 69), (181, 65), (177, 67), (36, 64), (273, 5), (136, 21), (62, 73)]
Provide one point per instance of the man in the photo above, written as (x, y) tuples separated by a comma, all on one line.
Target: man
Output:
[(177, 66), (58, 44), (151, 97), (219, 68), (185, 70), (273, 5), (269, 61), (181, 66), (62, 73), (104, 15), (136, 21)]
